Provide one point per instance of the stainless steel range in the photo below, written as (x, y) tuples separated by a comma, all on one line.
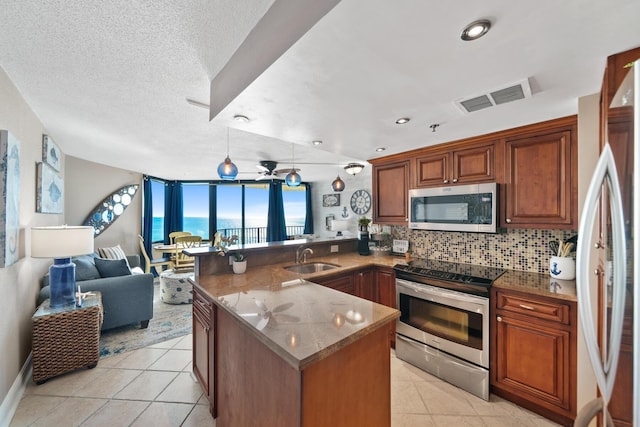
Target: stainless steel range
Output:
[(444, 322)]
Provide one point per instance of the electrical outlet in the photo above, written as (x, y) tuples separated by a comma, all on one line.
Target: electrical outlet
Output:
[(230, 260), (334, 248)]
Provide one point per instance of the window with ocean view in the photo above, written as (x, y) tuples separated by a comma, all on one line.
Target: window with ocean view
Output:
[(195, 206), (157, 191), (240, 209)]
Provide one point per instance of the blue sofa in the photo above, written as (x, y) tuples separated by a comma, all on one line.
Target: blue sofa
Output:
[(125, 299)]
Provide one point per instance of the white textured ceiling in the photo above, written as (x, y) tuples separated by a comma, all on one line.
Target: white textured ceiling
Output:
[(109, 79)]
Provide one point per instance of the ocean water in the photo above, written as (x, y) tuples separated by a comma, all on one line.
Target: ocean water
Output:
[(199, 226)]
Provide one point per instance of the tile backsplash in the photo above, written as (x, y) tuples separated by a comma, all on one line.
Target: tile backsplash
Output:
[(512, 249)]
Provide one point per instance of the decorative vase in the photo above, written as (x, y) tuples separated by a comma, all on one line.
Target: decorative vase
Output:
[(239, 267)]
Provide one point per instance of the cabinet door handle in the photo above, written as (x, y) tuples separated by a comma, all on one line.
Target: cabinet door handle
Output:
[(455, 179), (446, 181), (508, 220), (527, 307), (499, 318)]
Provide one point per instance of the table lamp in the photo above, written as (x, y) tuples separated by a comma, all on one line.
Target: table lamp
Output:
[(339, 226), (61, 243)]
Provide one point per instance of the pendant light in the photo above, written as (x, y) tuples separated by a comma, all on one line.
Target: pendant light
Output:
[(337, 184), (227, 170), (293, 179)]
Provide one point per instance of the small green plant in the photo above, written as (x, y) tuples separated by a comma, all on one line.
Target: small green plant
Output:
[(363, 221), (238, 257)]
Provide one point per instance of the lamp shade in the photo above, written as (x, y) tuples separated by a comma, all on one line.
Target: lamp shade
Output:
[(293, 179), (61, 241), (337, 184), (353, 168), (227, 170)]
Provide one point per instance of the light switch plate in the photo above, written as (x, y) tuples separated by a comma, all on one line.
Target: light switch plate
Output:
[(334, 248), (400, 246)]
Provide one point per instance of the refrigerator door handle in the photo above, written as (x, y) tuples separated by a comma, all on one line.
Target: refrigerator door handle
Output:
[(605, 370)]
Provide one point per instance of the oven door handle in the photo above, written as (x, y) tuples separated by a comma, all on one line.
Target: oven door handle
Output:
[(431, 290)]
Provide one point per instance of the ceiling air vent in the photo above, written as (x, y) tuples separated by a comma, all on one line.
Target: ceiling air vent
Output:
[(519, 90)]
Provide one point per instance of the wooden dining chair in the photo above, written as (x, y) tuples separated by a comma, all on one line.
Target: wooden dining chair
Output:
[(158, 263), (174, 234), (182, 261)]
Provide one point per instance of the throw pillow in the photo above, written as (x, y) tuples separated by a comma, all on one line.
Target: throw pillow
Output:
[(85, 268), (115, 252), (112, 267)]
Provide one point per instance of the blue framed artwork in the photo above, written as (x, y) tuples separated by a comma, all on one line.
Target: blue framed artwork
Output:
[(9, 198), (49, 191), (51, 153)]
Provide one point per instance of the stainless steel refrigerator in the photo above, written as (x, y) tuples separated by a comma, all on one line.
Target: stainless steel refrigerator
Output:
[(608, 294)]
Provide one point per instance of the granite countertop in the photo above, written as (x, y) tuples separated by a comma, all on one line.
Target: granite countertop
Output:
[(299, 320), (537, 284)]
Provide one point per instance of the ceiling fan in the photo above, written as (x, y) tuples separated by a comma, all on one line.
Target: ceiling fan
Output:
[(268, 169)]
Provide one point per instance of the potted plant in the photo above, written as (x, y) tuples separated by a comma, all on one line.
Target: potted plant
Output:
[(363, 223), (239, 262)]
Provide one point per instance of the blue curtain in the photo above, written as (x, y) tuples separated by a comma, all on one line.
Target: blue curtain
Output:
[(147, 214), (308, 222), (172, 208), (213, 209), (276, 225)]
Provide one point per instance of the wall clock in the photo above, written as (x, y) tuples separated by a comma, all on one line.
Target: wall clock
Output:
[(361, 202)]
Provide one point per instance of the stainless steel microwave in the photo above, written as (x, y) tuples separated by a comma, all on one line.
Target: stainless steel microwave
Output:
[(455, 208)]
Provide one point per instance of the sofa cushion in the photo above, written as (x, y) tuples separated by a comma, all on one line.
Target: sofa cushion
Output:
[(112, 267), (114, 252), (85, 268)]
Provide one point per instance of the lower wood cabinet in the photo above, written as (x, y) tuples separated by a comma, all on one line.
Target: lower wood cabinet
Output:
[(377, 284), (534, 353), (204, 313)]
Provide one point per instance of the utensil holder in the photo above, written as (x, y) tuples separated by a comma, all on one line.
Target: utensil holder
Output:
[(563, 268)]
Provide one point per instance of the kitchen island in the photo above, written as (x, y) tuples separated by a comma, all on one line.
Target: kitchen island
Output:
[(274, 349)]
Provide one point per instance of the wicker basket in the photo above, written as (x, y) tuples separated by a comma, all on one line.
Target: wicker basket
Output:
[(66, 339)]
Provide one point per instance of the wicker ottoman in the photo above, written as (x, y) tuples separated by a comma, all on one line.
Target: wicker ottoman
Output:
[(175, 288), (67, 338)]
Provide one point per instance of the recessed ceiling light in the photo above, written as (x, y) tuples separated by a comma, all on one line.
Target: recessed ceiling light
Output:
[(241, 118), (317, 142), (379, 149), (475, 30), (402, 120)]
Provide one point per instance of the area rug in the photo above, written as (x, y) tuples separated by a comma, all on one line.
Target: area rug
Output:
[(169, 321)]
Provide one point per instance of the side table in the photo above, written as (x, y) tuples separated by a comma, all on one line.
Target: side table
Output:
[(66, 338)]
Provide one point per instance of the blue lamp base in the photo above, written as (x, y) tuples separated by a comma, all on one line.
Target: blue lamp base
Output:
[(62, 282)]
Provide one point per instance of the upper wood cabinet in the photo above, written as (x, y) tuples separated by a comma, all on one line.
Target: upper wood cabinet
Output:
[(540, 180), (476, 163), (391, 192)]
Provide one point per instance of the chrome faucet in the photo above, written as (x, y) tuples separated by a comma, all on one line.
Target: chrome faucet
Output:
[(302, 252)]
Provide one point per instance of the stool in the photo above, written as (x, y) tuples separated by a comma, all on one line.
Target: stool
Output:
[(175, 288)]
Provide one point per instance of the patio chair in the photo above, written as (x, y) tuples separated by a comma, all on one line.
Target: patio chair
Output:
[(158, 263)]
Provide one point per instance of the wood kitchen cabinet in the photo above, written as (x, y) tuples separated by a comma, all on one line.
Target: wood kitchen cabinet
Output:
[(366, 287), (391, 192), (541, 185), (534, 352), (386, 283), (340, 282), (471, 163), (203, 345)]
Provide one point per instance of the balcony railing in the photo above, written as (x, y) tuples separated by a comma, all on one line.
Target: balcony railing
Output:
[(257, 234)]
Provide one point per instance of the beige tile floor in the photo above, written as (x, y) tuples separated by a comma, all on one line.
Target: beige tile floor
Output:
[(153, 386)]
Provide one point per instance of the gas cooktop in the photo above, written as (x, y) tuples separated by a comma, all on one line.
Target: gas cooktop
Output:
[(445, 271)]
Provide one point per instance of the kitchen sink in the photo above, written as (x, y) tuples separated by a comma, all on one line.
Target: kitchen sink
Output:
[(310, 267)]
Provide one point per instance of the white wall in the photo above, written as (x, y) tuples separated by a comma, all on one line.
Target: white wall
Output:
[(361, 181), (19, 283), (87, 184)]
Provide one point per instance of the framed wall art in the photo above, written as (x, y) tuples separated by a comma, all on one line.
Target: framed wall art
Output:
[(51, 153), (49, 191), (9, 198), (329, 200)]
